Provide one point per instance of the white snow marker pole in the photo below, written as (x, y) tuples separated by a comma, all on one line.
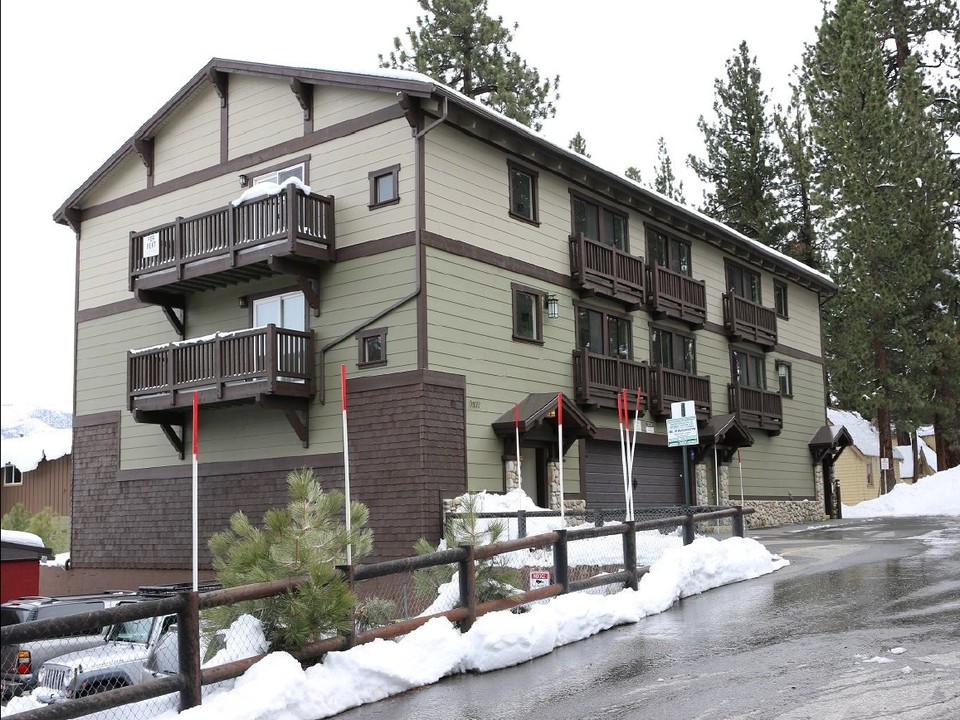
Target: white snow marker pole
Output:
[(196, 485), (516, 429), (740, 464), (560, 447), (621, 412), (633, 450), (346, 460)]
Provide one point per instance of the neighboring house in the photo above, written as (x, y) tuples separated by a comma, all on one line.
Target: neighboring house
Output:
[(858, 470), (926, 456), (20, 554), (459, 265), (35, 454)]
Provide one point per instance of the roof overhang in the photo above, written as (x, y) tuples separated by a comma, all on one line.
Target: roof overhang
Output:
[(828, 442), (22, 551), (535, 417), (725, 434)]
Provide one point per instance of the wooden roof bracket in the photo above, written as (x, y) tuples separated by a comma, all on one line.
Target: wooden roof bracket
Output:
[(219, 80), (304, 94), (169, 304), (144, 148)]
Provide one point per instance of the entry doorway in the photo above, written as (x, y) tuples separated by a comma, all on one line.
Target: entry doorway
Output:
[(533, 474)]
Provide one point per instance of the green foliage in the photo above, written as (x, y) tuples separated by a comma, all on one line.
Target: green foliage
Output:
[(743, 163), (494, 579), (633, 173), (664, 181), (53, 529), (578, 144), (458, 43), (307, 538), (374, 612)]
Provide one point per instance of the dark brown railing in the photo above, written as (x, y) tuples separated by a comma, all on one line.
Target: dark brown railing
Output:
[(676, 295), (757, 408), (607, 271), (223, 368), (598, 379), (669, 386), (746, 320), (302, 223)]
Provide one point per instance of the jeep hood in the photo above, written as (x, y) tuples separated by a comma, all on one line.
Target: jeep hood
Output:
[(109, 655)]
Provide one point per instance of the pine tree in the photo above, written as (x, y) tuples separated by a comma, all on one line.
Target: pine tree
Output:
[(886, 190), (458, 43), (578, 144), (664, 181), (634, 174), (307, 538), (742, 165)]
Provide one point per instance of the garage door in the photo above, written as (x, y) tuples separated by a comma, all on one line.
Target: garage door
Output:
[(657, 474)]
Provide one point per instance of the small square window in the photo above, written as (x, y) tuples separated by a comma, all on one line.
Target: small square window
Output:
[(12, 475), (384, 187), (523, 193), (527, 314), (372, 348), (785, 378), (780, 298)]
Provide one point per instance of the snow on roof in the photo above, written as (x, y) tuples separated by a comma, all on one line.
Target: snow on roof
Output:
[(865, 436), (21, 538), (31, 434), (906, 465)]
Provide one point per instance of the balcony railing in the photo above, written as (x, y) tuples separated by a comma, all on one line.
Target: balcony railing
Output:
[(756, 408), (224, 368), (669, 386), (227, 241), (598, 379), (603, 270), (746, 320), (675, 295)]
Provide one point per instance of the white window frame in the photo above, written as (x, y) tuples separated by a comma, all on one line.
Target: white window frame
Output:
[(280, 298), (12, 475), (278, 176)]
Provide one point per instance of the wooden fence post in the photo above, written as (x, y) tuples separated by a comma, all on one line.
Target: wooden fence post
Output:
[(688, 527), (188, 642), (468, 587), (561, 567), (630, 553), (738, 522)]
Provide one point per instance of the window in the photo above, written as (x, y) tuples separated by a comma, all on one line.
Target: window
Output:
[(673, 350), (599, 223), (780, 298), (523, 193), (785, 378), (372, 347), (743, 282), (12, 475), (604, 333), (286, 310), (749, 370), (869, 472), (279, 175), (669, 252), (384, 187), (527, 314)]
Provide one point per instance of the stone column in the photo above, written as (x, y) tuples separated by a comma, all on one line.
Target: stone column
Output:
[(703, 489), (512, 477)]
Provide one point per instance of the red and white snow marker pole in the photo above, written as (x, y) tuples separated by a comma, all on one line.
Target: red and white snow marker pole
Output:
[(516, 429), (622, 413), (560, 448), (196, 485), (633, 453), (346, 460)]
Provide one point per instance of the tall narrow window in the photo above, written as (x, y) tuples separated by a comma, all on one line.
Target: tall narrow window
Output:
[(384, 187), (523, 193), (785, 378), (527, 314), (780, 298)]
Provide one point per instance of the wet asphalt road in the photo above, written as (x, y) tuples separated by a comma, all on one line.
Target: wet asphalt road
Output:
[(797, 643)]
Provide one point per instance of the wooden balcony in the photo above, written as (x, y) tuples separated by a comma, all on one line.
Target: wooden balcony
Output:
[(756, 408), (603, 270), (669, 386), (746, 320), (268, 366), (598, 379), (674, 295), (289, 232)]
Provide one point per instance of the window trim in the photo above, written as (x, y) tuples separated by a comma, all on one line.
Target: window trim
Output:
[(365, 335), (789, 376), (373, 176), (251, 301), (540, 296), (753, 356), (575, 195), (606, 313), (649, 230), (304, 160), (12, 475), (676, 334), (727, 264), (779, 285), (512, 167)]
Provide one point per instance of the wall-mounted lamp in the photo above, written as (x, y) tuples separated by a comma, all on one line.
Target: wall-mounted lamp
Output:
[(244, 302), (243, 181), (553, 306)]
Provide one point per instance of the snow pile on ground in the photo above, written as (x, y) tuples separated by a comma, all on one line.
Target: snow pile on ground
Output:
[(937, 494)]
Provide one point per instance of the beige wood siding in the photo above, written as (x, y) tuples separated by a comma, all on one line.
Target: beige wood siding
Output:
[(47, 486), (263, 112), (129, 175), (851, 472), (190, 140), (332, 105)]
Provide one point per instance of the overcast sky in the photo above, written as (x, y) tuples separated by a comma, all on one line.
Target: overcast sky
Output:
[(79, 78)]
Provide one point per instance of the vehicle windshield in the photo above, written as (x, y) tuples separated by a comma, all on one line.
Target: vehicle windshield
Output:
[(136, 631)]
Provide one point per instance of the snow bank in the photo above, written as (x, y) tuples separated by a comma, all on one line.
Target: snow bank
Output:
[(937, 494)]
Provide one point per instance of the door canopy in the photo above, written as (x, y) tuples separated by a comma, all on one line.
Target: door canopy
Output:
[(828, 442), (537, 415)]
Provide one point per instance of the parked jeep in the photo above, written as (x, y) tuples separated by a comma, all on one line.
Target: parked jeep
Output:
[(20, 663), (115, 664)]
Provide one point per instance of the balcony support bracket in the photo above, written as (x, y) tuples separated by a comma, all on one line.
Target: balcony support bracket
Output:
[(172, 424), (176, 439), (303, 273), (169, 303), (296, 410)]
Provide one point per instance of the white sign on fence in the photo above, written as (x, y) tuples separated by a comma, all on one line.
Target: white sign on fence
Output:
[(539, 579), (151, 245)]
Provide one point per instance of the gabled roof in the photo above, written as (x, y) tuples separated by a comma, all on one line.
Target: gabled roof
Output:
[(419, 85), (536, 418), (865, 436)]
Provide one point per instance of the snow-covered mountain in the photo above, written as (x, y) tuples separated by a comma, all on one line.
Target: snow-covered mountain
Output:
[(30, 434)]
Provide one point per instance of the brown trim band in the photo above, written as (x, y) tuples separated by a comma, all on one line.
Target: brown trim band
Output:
[(327, 134), (643, 438), (284, 464), (778, 348), (101, 418), (115, 308), (408, 377), (375, 247)]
